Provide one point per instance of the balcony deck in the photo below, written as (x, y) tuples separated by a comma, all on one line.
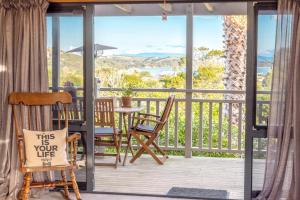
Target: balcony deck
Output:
[(146, 177), (217, 126)]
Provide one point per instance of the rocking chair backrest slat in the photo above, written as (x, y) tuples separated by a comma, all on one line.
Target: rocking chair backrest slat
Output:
[(165, 115), (104, 112), (39, 99), (28, 119), (29, 109)]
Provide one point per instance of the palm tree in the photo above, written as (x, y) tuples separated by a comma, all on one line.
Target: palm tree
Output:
[(235, 38)]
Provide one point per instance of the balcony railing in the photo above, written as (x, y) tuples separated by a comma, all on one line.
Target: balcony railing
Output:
[(218, 124)]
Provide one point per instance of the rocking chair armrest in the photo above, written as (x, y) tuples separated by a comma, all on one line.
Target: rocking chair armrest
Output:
[(73, 137)]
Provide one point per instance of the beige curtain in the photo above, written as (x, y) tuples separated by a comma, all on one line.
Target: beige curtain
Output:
[(6, 72), (23, 67), (282, 178)]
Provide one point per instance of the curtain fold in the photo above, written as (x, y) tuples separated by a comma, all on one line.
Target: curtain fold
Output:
[(23, 67), (6, 71), (282, 176)]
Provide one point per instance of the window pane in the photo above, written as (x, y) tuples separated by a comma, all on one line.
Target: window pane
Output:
[(65, 71), (71, 60), (140, 51), (219, 81), (49, 48), (266, 31), (208, 58)]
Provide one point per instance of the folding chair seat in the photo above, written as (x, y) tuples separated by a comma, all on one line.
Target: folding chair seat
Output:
[(143, 128), (101, 131)]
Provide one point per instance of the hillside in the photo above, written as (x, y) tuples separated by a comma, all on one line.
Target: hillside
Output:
[(74, 62), (125, 62)]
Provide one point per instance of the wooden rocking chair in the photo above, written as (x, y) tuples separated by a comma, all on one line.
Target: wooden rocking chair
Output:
[(27, 109), (151, 132)]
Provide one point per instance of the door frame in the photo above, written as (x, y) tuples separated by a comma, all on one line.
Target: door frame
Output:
[(253, 131), (89, 71), (87, 13)]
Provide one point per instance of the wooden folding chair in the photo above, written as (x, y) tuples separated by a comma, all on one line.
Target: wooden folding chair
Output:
[(106, 133), (150, 133), (28, 109)]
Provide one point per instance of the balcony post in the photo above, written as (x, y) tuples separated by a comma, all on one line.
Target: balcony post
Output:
[(189, 81)]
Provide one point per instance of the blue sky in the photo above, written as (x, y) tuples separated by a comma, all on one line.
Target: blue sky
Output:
[(141, 34), (266, 34), (133, 35)]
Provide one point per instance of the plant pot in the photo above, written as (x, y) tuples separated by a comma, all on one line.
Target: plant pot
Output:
[(126, 102)]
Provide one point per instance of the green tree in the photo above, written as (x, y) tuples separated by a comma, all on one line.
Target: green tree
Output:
[(177, 81)]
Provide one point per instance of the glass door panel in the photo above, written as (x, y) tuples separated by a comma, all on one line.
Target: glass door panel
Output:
[(219, 79), (65, 70), (265, 45), (139, 48)]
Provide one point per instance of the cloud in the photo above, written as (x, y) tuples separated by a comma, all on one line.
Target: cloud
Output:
[(175, 45), (137, 49), (71, 47)]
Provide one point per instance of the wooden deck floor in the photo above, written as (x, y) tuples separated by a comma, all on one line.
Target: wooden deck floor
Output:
[(147, 177)]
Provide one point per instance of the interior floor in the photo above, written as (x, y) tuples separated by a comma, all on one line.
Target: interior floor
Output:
[(90, 196)]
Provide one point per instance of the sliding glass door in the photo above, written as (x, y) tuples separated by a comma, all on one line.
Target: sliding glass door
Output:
[(163, 49), (259, 80), (66, 72), (181, 53)]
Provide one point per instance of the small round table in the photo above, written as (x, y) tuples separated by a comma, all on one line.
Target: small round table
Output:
[(126, 113)]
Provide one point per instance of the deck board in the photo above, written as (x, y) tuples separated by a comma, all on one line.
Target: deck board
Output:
[(147, 177)]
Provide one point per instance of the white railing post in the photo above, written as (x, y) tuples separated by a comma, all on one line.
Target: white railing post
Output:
[(189, 81)]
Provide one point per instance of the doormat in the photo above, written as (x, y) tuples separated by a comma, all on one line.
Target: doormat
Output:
[(198, 193)]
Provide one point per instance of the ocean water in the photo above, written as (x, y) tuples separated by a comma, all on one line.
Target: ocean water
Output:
[(263, 70)]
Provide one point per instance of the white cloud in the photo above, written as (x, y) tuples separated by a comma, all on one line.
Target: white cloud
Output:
[(71, 47)]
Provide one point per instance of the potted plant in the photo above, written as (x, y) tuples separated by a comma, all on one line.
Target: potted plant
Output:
[(127, 96)]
